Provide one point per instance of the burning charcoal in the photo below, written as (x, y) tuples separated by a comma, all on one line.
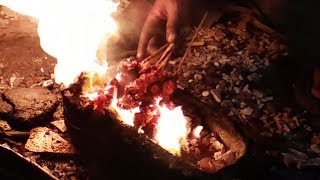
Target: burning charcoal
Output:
[(60, 125), (43, 139), (31, 105)]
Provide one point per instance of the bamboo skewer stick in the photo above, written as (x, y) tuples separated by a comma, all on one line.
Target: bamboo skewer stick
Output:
[(165, 53), (155, 53), (166, 60), (192, 40)]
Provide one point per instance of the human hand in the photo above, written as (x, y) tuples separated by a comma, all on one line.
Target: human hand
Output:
[(163, 12)]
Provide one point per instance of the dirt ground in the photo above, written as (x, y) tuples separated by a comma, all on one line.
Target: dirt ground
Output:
[(22, 62)]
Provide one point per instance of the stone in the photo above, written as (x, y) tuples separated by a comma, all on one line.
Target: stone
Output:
[(212, 47), (31, 106), (42, 139), (253, 77), (197, 77), (217, 155), (4, 126), (226, 104), (47, 83), (252, 68), (12, 80), (315, 140), (247, 111), (60, 125), (246, 88), (266, 99), (216, 95), (205, 93), (315, 148), (5, 108), (257, 93)]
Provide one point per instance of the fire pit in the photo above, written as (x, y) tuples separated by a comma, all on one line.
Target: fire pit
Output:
[(143, 123), (138, 120)]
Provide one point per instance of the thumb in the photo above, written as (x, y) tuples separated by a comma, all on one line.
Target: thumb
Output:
[(172, 23)]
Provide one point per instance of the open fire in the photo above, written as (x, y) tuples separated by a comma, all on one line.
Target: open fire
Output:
[(76, 33)]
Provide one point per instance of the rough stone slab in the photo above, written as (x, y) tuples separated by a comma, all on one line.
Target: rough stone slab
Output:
[(4, 126), (60, 125), (31, 106), (43, 139), (5, 108)]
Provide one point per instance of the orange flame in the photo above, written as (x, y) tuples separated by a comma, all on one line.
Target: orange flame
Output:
[(172, 129), (197, 131), (73, 31), (126, 116)]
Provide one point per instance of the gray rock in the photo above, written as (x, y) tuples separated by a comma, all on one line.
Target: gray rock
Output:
[(31, 106)]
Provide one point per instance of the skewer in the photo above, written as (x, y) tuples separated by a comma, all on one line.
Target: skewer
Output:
[(155, 53), (165, 53), (166, 60), (193, 39)]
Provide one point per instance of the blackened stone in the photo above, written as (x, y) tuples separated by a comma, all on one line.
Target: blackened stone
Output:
[(31, 106)]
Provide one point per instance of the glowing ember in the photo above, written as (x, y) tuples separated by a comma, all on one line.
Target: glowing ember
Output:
[(172, 129), (73, 31), (197, 131)]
